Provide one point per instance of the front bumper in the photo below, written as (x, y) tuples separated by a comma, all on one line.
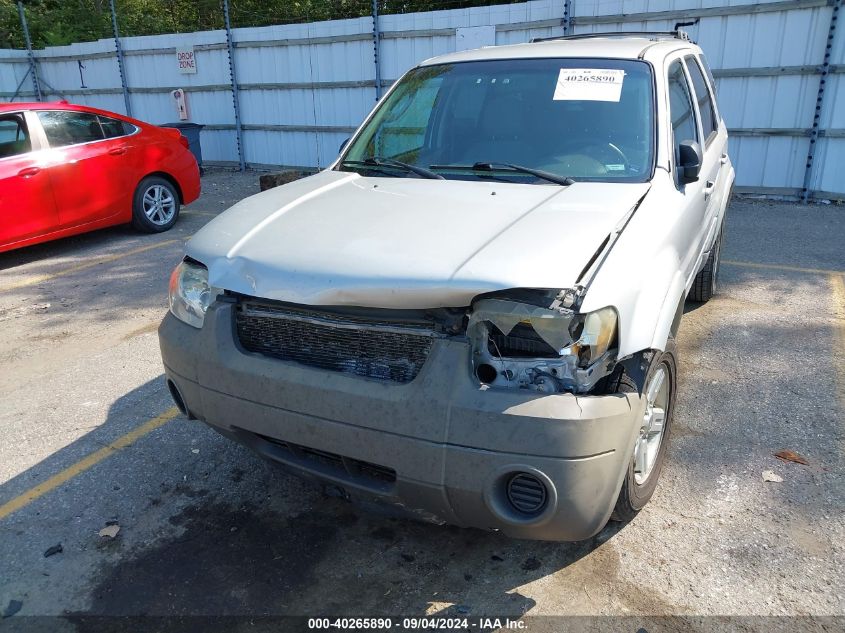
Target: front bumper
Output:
[(452, 443)]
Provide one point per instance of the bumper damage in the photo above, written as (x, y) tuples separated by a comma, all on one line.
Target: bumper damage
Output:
[(441, 447)]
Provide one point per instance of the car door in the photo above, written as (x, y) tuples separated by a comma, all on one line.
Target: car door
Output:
[(27, 207), (86, 168), (684, 127), (713, 170)]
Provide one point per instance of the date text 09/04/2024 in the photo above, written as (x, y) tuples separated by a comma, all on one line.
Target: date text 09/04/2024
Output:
[(415, 623)]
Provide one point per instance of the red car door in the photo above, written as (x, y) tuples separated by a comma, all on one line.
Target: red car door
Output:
[(27, 207), (88, 171)]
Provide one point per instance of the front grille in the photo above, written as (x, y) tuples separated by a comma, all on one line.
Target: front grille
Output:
[(338, 463), (379, 349)]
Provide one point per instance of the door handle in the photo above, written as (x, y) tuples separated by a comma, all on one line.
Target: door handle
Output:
[(723, 159), (29, 171), (708, 188), (117, 151)]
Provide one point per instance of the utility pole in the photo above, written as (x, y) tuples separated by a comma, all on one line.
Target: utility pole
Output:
[(32, 69), (121, 68)]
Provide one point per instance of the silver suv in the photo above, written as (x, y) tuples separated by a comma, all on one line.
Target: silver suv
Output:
[(470, 316)]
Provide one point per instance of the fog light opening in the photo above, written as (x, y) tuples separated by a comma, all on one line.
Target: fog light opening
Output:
[(527, 494), (177, 398), (486, 373)]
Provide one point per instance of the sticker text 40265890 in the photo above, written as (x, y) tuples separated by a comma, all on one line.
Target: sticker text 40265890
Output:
[(589, 84)]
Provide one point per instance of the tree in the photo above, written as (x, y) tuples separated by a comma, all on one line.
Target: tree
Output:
[(59, 22)]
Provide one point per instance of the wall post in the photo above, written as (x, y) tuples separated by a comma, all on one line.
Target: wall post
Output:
[(376, 49), (230, 46), (32, 68), (817, 113), (121, 67), (567, 17)]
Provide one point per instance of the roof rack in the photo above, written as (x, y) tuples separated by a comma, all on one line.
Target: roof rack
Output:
[(652, 35)]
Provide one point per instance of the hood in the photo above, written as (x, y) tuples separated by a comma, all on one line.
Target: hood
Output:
[(338, 238)]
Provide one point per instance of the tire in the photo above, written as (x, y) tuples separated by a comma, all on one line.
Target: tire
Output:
[(639, 485), (155, 205), (704, 284)]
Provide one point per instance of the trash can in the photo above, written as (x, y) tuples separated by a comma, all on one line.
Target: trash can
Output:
[(190, 131)]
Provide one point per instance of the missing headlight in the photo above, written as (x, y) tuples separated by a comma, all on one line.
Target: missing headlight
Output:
[(525, 346), (521, 342)]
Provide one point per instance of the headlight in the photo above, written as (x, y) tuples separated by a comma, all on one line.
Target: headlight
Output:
[(520, 345), (595, 333), (190, 294)]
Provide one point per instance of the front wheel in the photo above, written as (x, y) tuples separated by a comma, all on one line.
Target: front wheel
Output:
[(653, 436), (155, 205)]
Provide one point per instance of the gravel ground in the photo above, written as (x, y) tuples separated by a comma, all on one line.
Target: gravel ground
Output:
[(206, 528)]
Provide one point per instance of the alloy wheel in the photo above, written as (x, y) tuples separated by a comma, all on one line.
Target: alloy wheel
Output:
[(159, 205), (650, 438)]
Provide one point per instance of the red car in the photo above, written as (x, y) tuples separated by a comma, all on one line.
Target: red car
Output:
[(68, 169)]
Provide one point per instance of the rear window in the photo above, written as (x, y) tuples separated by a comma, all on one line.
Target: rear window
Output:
[(113, 128), (706, 66), (703, 97)]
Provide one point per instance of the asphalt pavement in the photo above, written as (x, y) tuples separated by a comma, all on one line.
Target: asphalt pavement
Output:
[(90, 440)]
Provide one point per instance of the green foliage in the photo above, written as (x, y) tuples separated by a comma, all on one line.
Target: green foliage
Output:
[(58, 22), (10, 28)]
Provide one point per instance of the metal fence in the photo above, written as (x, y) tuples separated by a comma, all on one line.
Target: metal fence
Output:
[(288, 95)]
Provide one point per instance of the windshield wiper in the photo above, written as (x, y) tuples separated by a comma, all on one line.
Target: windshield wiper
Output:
[(379, 161), (539, 173)]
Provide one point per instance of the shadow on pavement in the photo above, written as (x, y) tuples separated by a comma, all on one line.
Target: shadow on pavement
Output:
[(221, 532)]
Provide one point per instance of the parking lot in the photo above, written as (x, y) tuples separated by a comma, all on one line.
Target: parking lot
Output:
[(90, 437)]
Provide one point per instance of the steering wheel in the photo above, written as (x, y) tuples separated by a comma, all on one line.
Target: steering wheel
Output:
[(578, 147), (619, 153)]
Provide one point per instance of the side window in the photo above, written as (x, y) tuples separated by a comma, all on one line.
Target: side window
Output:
[(703, 61), (680, 107), (14, 138), (112, 128), (703, 97), (66, 127)]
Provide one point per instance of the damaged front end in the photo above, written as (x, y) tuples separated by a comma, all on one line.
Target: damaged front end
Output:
[(538, 341)]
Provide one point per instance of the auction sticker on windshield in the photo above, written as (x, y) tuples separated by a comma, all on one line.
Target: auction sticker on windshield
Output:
[(589, 84)]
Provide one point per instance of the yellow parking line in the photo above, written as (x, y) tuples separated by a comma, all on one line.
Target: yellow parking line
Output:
[(90, 264), (794, 269), (85, 463)]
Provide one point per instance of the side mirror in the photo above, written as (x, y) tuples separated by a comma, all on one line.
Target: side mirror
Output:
[(689, 161), (342, 145)]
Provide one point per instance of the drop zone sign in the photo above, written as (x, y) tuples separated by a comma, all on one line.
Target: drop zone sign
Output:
[(186, 60)]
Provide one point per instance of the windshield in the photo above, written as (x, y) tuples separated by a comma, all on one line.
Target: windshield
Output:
[(584, 119)]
